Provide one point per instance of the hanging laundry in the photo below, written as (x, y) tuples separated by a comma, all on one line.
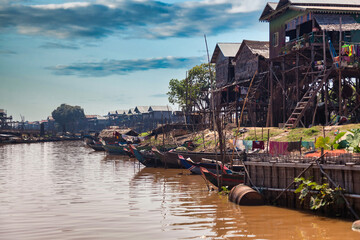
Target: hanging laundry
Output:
[(248, 144), (258, 145), (294, 146), (308, 145), (351, 50), (278, 148), (239, 144), (345, 49)]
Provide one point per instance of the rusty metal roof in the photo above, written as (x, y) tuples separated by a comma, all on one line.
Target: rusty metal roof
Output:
[(258, 47), (330, 22)]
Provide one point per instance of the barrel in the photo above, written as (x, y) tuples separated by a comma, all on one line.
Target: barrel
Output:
[(244, 195), (356, 226)]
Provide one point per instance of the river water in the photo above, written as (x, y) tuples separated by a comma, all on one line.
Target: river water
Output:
[(63, 190)]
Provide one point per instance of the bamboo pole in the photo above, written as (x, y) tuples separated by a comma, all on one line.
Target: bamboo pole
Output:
[(247, 94)]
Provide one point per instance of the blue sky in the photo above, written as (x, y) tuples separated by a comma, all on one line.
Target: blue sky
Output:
[(105, 55)]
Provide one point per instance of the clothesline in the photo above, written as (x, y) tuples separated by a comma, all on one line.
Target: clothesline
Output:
[(274, 148)]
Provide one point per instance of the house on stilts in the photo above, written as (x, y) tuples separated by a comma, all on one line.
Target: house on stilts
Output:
[(241, 81), (314, 61)]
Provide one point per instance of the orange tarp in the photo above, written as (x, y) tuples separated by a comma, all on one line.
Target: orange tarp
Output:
[(336, 152)]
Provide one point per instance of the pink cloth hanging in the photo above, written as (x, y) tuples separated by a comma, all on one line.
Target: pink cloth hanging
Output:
[(278, 148)]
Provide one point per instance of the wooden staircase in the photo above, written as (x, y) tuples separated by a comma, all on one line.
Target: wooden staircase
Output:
[(308, 97)]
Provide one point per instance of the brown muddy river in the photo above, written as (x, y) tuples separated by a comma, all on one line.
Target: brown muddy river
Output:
[(63, 190)]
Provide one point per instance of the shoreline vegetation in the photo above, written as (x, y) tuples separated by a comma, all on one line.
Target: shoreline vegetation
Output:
[(204, 140)]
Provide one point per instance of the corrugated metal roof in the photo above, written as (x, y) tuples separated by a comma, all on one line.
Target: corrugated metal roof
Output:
[(331, 22), (273, 5), (160, 108), (326, 8), (227, 49), (258, 47), (121, 111), (327, 2), (269, 8), (352, 6)]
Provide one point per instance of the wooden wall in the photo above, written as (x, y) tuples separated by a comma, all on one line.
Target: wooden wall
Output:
[(272, 178), (224, 70), (246, 64)]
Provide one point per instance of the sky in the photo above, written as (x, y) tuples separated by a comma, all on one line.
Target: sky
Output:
[(104, 55)]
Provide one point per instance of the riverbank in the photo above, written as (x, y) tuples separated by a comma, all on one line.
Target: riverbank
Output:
[(205, 140)]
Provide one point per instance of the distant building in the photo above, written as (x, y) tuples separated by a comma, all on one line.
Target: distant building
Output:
[(4, 119)]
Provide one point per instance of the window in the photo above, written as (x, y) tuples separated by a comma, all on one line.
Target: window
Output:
[(275, 40)]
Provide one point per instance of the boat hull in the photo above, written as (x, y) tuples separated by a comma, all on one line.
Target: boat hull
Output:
[(229, 180)]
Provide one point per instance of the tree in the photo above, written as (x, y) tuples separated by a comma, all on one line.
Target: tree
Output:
[(68, 115), (193, 91)]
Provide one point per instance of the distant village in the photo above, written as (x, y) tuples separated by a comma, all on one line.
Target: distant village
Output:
[(140, 118)]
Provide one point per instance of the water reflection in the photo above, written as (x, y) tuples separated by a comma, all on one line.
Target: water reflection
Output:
[(66, 191)]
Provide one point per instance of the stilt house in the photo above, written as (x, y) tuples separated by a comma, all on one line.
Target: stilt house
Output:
[(314, 61), (250, 62)]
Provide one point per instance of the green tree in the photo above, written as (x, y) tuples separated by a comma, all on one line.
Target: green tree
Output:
[(66, 115), (193, 91)]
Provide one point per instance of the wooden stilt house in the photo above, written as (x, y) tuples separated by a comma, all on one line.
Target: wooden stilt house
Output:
[(250, 62), (314, 61)]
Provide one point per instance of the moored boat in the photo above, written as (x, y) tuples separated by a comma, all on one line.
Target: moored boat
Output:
[(97, 146), (211, 165), (227, 177), (115, 147), (147, 158)]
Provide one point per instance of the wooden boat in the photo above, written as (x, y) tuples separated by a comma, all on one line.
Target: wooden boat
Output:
[(209, 164), (227, 177), (147, 158), (172, 156), (115, 147), (97, 146), (168, 161)]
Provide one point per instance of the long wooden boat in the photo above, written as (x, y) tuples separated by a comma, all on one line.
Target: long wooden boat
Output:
[(211, 165), (198, 156), (229, 179), (115, 148), (147, 158)]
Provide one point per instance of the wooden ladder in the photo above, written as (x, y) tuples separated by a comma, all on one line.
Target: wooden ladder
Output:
[(255, 87), (308, 97)]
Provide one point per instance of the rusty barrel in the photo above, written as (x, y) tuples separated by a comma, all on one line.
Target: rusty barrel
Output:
[(244, 195)]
